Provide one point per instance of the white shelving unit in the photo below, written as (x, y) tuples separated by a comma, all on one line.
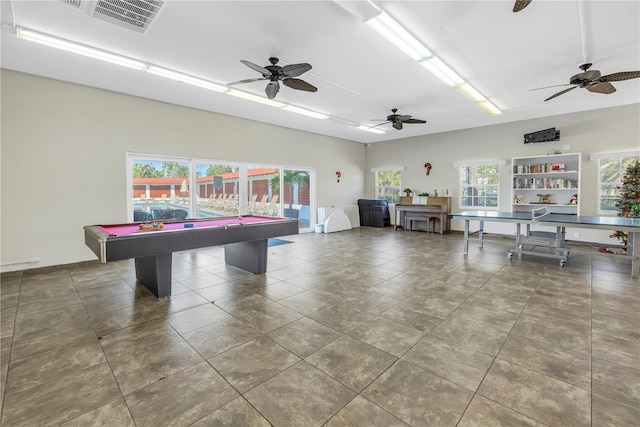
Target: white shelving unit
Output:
[(556, 175)]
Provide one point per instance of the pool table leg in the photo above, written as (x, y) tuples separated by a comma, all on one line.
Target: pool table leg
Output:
[(154, 272), (250, 256)]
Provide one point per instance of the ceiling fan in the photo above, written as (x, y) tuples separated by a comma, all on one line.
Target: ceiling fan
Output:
[(398, 119), (274, 73), (520, 4), (593, 81)]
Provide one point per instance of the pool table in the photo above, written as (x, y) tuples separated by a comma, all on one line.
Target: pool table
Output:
[(244, 239)]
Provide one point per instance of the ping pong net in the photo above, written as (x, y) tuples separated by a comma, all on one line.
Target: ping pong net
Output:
[(538, 213)]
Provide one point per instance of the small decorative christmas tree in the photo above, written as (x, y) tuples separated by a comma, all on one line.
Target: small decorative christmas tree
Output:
[(629, 204)]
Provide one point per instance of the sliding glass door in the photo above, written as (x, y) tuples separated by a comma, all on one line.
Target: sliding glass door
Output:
[(173, 188), (296, 197), (217, 189)]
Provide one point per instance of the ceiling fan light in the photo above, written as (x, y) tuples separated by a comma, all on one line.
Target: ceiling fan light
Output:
[(442, 71), (470, 93), (489, 107), (255, 98), (388, 28), (44, 39), (184, 78), (306, 112), (370, 129)]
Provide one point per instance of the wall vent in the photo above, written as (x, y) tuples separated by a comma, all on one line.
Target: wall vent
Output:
[(135, 15)]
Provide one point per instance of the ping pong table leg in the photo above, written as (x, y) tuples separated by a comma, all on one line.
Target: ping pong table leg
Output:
[(633, 248), (466, 236), (480, 242)]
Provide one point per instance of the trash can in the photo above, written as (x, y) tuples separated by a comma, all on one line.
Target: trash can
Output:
[(319, 228)]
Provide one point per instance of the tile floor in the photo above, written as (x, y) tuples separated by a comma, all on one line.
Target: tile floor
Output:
[(368, 327)]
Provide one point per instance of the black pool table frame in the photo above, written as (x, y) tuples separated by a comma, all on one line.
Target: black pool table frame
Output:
[(245, 246)]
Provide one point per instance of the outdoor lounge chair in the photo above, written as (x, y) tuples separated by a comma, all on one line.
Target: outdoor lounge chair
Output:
[(271, 207), (257, 206)]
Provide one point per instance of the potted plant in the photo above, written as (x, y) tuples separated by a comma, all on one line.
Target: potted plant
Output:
[(407, 192)]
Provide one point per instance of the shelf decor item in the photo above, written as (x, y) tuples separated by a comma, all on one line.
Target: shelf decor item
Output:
[(407, 191), (544, 198), (428, 167)]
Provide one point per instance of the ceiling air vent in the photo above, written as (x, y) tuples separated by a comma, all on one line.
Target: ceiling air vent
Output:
[(74, 3), (135, 15)]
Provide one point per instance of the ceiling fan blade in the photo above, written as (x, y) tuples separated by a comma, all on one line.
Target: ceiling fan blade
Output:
[(601, 87), (414, 121), (547, 87), (380, 124), (299, 84), (588, 75), (246, 81), (520, 4), (256, 67), (562, 92), (403, 118), (398, 125), (272, 89), (294, 70), (624, 75)]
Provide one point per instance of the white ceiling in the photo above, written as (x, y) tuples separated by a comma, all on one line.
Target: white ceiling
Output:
[(360, 76)]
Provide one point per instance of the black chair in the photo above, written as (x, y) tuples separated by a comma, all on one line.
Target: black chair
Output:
[(142, 216), (174, 214)]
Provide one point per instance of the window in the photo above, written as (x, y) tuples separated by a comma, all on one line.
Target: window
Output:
[(216, 189), (611, 169), (161, 187), (389, 184), (479, 185)]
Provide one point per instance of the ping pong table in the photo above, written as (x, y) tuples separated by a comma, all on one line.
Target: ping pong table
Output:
[(530, 242)]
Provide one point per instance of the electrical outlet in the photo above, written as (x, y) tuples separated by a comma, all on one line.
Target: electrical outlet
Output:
[(576, 235), (566, 147)]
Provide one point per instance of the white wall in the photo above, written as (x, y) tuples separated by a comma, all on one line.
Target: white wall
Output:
[(608, 130), (63, 160)]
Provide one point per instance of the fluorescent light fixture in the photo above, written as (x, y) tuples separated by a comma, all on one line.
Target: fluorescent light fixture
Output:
[(392, 31), (470, 93), (255, 98), (306, 112), (489, 107), (442, 71), (184, 78), (33, 36), (370, 129), (396, 34)]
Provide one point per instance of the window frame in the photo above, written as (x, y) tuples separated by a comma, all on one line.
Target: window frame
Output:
[(605, 188), (376, 171), (462, 186)]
